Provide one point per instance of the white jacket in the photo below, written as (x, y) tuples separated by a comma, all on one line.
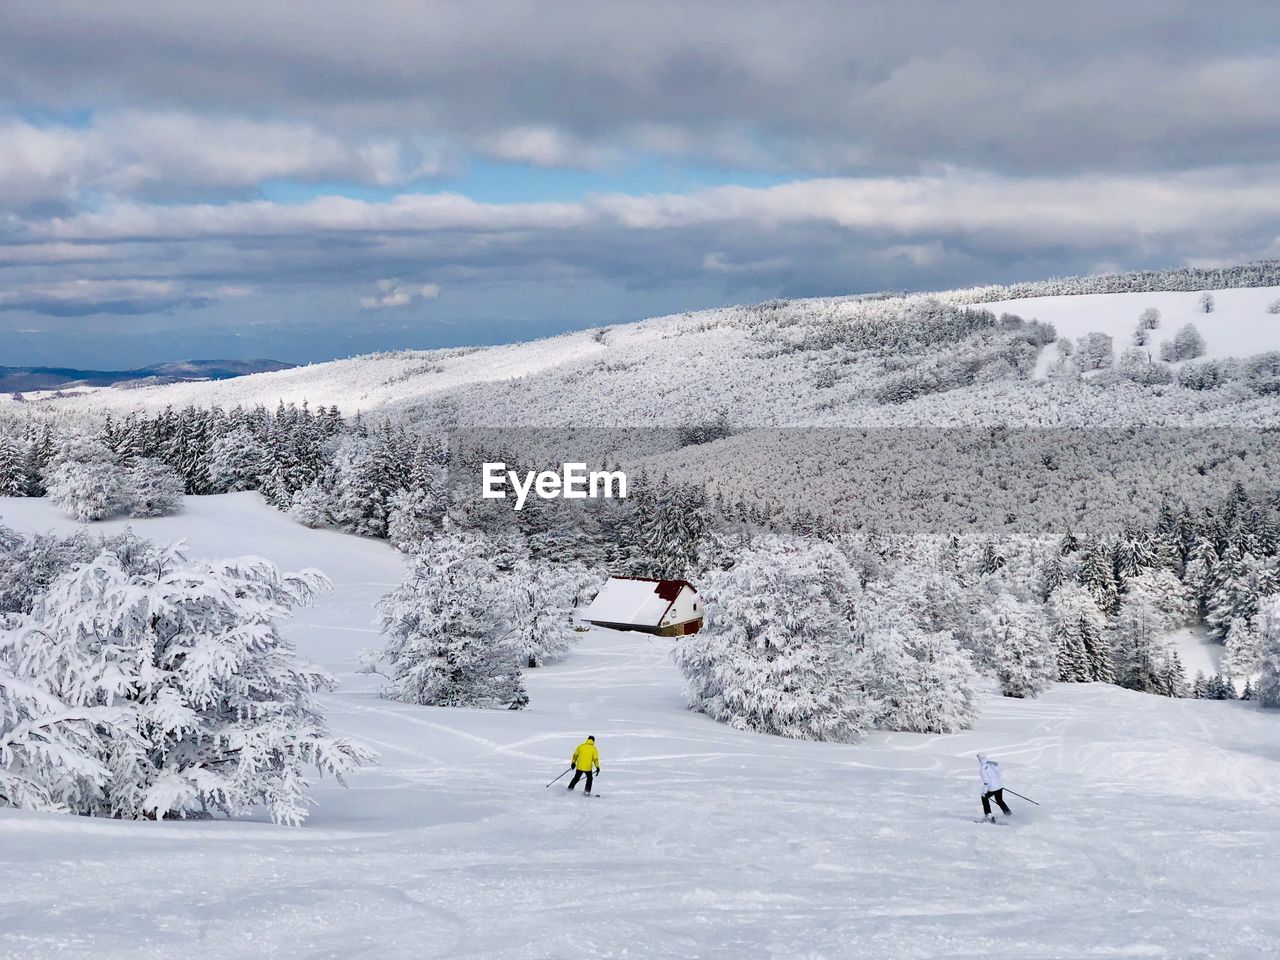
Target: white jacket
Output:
[(990, 771)]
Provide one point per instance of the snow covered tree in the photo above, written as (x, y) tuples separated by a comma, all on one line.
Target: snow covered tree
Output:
[(543, 597), (917, 680), (13, 467), (221, 714), (1013, 632), (237, 461), (1138, 642), (1097, 575), (1267, 625), (415, 515), (311, 504), (775, 655), (1200, 686), (1240, 581), (1166, 593), (153, 489), (1052, 574), (1136, 365), (1206, 303), (1244, 648), (29, 564), (1078, 627), (1149, 319), (1267, 689), (50, 751), (1172, 678), (88, 490), (1095, 351), (1154, 602), (450, 640), (1188, 343), (671, 520), (992, 559)]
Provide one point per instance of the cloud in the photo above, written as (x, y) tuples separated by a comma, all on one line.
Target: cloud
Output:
[(1087, 211), (545, 147), (804, 237), (817, 86), (170, 155), (130, 297), (392, 294)]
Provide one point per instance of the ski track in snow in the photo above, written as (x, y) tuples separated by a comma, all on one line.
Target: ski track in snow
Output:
[(1156, 837)]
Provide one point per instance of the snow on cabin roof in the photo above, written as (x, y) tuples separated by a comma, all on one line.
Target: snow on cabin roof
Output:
[(635, 600)]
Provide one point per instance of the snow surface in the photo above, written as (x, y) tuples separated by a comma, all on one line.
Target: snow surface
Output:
[(1239, 325), (1156, 836), (1198, 651)]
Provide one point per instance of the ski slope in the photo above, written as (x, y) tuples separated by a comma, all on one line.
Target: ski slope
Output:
[(1156, 836)]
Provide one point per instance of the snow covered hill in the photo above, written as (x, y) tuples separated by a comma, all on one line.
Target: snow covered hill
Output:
[(779, 364), (1239, 326), (1155, 837)]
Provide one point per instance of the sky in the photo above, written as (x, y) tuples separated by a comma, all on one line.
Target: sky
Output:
[(309, 181)]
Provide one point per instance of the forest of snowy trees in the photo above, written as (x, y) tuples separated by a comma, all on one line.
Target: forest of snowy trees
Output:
[(895, 638)]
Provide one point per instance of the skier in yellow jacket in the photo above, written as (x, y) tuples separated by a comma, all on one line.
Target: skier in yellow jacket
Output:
[(586, 760)]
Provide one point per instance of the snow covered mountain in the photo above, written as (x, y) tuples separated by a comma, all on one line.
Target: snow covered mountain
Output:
[(848, 361)]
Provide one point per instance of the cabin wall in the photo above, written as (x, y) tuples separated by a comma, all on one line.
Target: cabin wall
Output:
[(687, 606)]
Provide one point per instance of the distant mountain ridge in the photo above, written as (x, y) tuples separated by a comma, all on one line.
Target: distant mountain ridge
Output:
[(19, 379)]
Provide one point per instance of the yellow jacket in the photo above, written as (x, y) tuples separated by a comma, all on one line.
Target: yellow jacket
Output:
[(585, 756)]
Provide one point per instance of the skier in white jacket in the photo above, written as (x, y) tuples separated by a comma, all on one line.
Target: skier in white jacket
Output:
[(992, 787)]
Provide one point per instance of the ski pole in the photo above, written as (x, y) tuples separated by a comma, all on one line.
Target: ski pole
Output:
[(1006, 790), (566, 770)]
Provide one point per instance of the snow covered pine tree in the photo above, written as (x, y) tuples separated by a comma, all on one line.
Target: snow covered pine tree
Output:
[(450, 639), (776, 653), (1014, 633)]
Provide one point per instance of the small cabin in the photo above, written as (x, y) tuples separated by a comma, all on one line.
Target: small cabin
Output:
[(669, 608)]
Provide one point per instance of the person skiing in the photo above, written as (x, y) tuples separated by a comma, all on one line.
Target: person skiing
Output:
[(585, 760), (992, 787)]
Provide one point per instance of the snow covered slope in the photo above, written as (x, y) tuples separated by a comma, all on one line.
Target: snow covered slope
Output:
[(1155, 838), (1239, 325), (768, 364)]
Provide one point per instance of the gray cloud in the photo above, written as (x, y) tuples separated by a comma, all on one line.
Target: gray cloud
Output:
[(823, 235), (1083, 210), (176, 154), (129, 297), (826, 86)]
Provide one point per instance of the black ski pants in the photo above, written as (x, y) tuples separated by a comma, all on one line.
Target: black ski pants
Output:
[(986, 802), (578, 775)]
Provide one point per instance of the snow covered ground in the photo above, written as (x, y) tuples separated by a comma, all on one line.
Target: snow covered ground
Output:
[(1239, 325), (1156, 837)]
